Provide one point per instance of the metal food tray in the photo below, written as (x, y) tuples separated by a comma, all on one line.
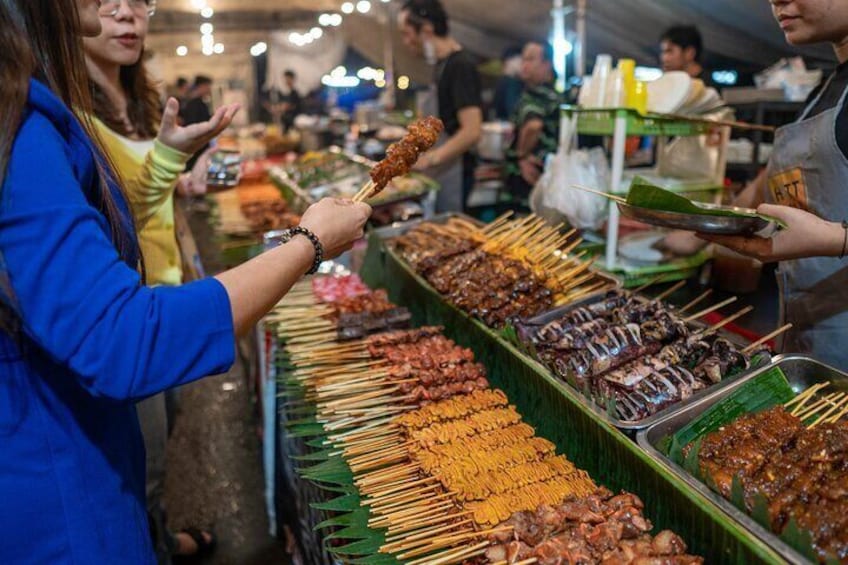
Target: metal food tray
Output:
[(744, 224), (801, 372), (300, 198), (632, 427), (400, 228)]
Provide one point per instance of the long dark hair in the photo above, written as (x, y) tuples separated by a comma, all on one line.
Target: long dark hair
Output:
[(42, 39), (143, 107)]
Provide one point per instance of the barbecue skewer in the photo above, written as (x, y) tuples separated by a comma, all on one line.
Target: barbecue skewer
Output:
[(669, 291), (711, 309), (767, 338), (696, 301), (400, 156), (613, 197)]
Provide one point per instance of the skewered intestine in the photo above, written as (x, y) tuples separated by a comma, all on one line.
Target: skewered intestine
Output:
[(453, 409), (401, 156)]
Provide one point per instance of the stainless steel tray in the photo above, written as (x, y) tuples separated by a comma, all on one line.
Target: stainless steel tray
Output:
[(633, 427), (400, 228), (802, 372), (746, 224)]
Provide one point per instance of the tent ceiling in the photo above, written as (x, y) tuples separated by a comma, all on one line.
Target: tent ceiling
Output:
[(739, 30)]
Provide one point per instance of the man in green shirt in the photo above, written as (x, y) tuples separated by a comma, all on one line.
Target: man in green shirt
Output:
[(536, 122)]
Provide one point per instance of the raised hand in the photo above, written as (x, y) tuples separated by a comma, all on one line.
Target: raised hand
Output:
[(192, 138)]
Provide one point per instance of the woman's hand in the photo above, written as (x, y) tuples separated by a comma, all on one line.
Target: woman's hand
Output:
[(806, 235), (337, 223), (191, 139)]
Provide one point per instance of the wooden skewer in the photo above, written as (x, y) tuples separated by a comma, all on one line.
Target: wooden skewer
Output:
[(421, 498), (669, 291), (394, 540), (697, 301), (364, 192), (647, 285), (613, 197), (394, 532), (421, 537), (799, 401), (835, 408), (724, 123), (817, 406), (839, 416), (404, 515), (711, 309), (767, 338), (449, 556), (730, 319), (452, 539)]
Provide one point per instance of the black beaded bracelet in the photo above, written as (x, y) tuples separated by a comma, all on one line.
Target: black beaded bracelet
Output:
[(287, 236)]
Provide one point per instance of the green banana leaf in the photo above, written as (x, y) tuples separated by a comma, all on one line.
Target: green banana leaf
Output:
[(348, 503), (765, 391), (364, 547), (306, 430), (643, 194), (344, 520)]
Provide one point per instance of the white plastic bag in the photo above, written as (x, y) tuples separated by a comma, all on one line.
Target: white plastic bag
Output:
[(555, 189)]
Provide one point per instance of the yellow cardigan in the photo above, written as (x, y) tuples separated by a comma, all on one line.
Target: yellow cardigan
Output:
[(149, 182)]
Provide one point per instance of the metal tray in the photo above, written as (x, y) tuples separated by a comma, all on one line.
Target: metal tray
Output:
[(301, 198), (802, 372), (744, 224), (400, 228), (632, 427)]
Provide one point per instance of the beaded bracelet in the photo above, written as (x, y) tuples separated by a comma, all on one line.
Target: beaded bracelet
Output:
[(287, 236)]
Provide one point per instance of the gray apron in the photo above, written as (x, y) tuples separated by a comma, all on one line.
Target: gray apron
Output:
[(448, 174), (807, 170)]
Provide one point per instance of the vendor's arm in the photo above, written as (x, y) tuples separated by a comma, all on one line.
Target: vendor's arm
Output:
[(84, 308), (466, 137), (806, 235)]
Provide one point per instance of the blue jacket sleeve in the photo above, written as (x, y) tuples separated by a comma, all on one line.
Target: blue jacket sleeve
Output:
[(80, 303)]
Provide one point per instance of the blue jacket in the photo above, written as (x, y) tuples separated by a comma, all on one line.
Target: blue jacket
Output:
[(92, 341)]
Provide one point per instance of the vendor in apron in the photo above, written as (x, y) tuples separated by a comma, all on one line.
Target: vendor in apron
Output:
[(806, 186), (454, 97)]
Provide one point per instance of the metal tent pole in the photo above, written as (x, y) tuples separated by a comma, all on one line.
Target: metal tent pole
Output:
[(580, 42)]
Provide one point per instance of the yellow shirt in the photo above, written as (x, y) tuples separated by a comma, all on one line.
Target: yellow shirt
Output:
[(149, 171)]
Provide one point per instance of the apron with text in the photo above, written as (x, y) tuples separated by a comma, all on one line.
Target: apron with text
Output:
[(808, 170), (447, 174)]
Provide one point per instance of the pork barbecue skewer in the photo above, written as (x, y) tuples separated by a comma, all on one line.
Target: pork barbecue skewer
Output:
[(401, 156)]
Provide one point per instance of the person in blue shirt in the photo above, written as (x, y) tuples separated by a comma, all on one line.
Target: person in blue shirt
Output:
[(81, 338)]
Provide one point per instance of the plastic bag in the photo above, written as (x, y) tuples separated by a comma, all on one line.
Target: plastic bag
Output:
[(695, 157), (555, 191)]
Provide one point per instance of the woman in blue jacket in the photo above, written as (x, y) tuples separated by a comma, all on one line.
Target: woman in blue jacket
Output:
[(82, 338)]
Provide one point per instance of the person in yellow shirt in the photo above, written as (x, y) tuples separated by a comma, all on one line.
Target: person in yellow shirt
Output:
[(149, 160)]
